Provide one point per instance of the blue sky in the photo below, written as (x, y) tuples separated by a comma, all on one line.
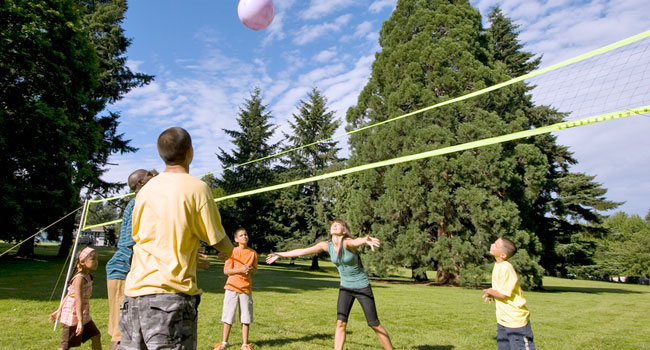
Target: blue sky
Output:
[(206, 62)]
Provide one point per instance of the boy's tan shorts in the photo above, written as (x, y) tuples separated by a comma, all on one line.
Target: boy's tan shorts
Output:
[(230, 302)]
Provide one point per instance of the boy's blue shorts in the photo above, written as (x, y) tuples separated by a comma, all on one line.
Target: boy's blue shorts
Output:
[(515, 338)]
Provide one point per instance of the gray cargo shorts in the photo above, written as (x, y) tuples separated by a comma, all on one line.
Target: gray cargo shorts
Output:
[(159, 322), (515, 338)]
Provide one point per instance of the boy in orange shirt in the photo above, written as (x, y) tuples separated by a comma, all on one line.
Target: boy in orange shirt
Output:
[(239, 288)]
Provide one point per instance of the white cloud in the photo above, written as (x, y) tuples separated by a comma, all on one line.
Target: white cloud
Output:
[(343, 89), (287, 103), (309, 33), (213, 61), (152, 99), (275, 31), (294, 62), (317, 77), (319, 8), (134, 65), (283, 5), (325, 55), (363, 30), (379, 5)]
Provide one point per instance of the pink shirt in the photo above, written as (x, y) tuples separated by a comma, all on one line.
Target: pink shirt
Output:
[(68, 315)]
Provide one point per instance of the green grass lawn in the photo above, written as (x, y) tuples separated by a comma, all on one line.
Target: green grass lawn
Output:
[(296, 309)]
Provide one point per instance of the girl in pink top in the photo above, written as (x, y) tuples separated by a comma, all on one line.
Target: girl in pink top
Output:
[(75, 306)]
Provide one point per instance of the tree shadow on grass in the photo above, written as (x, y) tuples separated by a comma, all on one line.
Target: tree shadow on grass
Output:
[(36, 278), (433, 347), (32, 278), (590, 290), (273, 343), (289, 280)]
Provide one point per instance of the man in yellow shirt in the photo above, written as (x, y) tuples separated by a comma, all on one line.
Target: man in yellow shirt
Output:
[(513, 328), (173, 212)]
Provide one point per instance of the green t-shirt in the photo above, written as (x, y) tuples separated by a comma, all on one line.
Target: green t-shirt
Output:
[(352, 273)]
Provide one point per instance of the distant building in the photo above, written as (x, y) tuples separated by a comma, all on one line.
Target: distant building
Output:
[(95, 236)]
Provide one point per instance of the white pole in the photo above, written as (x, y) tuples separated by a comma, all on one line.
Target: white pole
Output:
[(72, 257)]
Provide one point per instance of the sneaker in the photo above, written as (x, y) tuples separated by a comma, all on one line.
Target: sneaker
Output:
[(246, 347), (222, 345)]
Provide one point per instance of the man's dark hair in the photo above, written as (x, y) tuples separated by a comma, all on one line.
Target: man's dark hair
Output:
[(136, 177), (509, 247), (173, 145)]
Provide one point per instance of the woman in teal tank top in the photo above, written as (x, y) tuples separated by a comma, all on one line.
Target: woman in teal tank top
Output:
[(342, 249)]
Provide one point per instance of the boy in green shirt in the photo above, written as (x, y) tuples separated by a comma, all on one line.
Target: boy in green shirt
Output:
[(513, 327)]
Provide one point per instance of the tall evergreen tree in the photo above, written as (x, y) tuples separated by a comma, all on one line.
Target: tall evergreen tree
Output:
[(51, 134), (565, 215), (442, 213), (302, 210), (103, 22), (250, 143)]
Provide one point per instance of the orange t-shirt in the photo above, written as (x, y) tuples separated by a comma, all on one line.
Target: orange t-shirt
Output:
[(239, 282)]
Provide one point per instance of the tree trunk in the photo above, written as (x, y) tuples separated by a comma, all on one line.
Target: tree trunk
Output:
[(26, 249), (444, 277), (67, 236), (314, 263), (420, 277)]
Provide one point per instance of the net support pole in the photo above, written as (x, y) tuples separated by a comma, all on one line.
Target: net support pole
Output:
[(72, 257)]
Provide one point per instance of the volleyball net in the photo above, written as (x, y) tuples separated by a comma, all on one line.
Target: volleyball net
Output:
[(609, 83), (605, 84)]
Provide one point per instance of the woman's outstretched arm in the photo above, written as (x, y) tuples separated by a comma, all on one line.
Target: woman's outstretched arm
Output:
[(317, 248), (357, 242)]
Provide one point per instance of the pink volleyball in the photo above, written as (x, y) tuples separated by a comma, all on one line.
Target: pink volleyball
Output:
[(256, 14)]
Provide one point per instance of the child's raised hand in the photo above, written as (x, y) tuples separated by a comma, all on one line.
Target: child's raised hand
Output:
[(271, 258), (372, 242)]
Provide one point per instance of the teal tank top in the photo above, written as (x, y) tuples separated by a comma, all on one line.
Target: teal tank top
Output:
[(352, 273)]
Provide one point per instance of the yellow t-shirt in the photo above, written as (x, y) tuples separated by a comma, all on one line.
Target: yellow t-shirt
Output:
[(172, 213), (511, 312)]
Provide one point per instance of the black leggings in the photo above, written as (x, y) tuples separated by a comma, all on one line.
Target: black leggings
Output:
[(366, 299)]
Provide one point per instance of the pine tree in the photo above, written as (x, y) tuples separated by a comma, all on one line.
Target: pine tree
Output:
[(302, 210), (442, 213), (52, 134), (250, 143), (506, 47)]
